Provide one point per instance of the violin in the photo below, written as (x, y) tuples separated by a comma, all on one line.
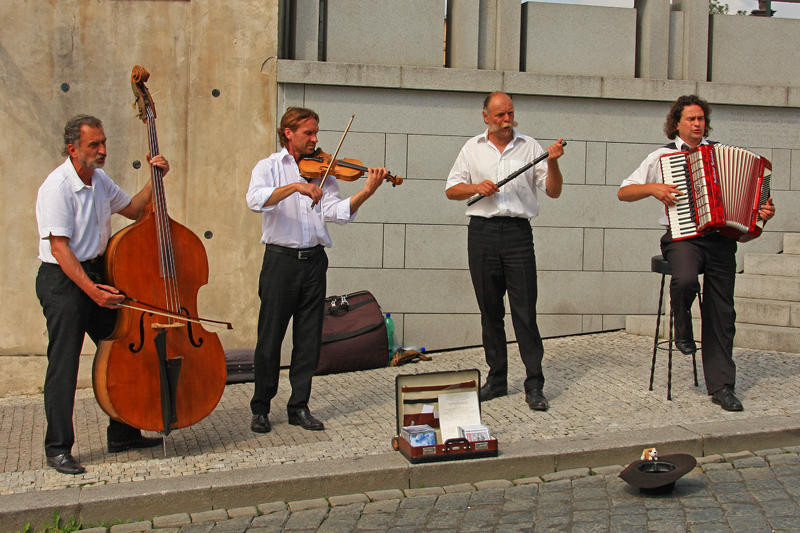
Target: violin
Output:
[(316, 165)]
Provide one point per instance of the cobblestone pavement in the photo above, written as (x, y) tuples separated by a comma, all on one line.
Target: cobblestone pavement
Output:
[(595, 383), (740, 492)]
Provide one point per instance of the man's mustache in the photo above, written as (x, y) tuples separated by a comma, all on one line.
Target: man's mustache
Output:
[(504, 125)]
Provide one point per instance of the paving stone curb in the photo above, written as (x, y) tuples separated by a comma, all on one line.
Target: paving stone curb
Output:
[(313, 511)]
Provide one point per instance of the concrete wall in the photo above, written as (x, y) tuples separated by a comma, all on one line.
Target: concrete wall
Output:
[(190, 48), (580, 40), (755, 50), (408, 245), (410, 32)]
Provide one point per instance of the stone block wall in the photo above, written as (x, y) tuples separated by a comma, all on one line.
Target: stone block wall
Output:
[(408, 245)]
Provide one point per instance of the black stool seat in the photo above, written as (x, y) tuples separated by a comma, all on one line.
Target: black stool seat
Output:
[(661, 266)]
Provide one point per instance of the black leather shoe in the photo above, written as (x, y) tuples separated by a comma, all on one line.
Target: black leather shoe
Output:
[(303, 418), (686, 346), (487, 393), (727, 400), (536, 400), (66, 464), (139, 442), (260, 424)]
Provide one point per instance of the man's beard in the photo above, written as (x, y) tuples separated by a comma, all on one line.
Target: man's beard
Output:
[(94, 164)]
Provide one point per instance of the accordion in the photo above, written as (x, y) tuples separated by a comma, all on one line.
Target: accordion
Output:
[(723, 188)]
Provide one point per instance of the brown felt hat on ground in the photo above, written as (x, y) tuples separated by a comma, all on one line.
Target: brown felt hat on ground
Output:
[(660, 475)]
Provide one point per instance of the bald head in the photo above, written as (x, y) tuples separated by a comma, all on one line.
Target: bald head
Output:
[(497, 95)]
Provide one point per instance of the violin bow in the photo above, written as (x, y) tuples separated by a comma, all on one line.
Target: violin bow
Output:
[(333, 157), (160, 311), (149, 308)]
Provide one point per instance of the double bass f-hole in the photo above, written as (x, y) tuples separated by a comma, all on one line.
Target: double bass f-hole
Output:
[(199, 342), (133, 347)]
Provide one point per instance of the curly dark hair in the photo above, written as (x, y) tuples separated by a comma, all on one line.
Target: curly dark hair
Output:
[(675, 112), (291, 119), (72, 130)]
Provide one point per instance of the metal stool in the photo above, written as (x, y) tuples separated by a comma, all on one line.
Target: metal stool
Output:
[(662, 266)]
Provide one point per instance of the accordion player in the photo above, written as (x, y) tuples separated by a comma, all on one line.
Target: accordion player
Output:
[(723, 189)]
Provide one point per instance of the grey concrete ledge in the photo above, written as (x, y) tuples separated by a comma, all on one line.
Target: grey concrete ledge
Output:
[(468, 80), (206, 496)]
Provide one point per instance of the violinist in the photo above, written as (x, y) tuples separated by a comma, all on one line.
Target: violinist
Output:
[(73, 211), (292, 280)]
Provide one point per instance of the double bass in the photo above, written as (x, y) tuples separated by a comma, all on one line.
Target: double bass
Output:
[(160, 369)]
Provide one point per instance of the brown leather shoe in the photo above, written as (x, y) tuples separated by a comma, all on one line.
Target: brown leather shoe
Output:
[(66, 464)]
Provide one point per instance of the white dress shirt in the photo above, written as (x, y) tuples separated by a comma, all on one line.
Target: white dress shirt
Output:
[(650, 172), (67, 207), (480, 160), (292, 222)]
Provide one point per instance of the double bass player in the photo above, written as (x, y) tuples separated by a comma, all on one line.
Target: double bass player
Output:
[(73, 211)]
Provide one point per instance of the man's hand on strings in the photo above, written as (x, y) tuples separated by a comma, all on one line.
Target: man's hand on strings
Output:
[(160, 162), (375, 176)]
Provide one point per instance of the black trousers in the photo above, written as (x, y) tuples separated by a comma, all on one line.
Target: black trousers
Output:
[(501, 258), (714, 255), (70, 315), (289, 286)]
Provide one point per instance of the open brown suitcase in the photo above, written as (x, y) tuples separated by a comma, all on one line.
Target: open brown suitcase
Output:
[(413, 391)]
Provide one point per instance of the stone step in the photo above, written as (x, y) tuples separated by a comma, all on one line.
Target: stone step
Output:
[(772, 264), (754, 336), (768, 312), (748, 311), (768, 287), (761, 337), (791, 243)]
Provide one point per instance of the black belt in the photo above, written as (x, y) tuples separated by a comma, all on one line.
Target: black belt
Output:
[(300, 254), (94, 261), (498, 220)]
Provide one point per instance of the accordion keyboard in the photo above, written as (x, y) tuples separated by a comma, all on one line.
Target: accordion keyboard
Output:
[(682, 221)]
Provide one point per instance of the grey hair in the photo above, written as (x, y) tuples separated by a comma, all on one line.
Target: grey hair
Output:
[(72, 130)]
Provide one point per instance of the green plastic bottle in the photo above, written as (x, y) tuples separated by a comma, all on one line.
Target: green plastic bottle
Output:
[(390, 333)]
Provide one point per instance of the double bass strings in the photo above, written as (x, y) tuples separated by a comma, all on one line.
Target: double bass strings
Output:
[(163, 233)]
